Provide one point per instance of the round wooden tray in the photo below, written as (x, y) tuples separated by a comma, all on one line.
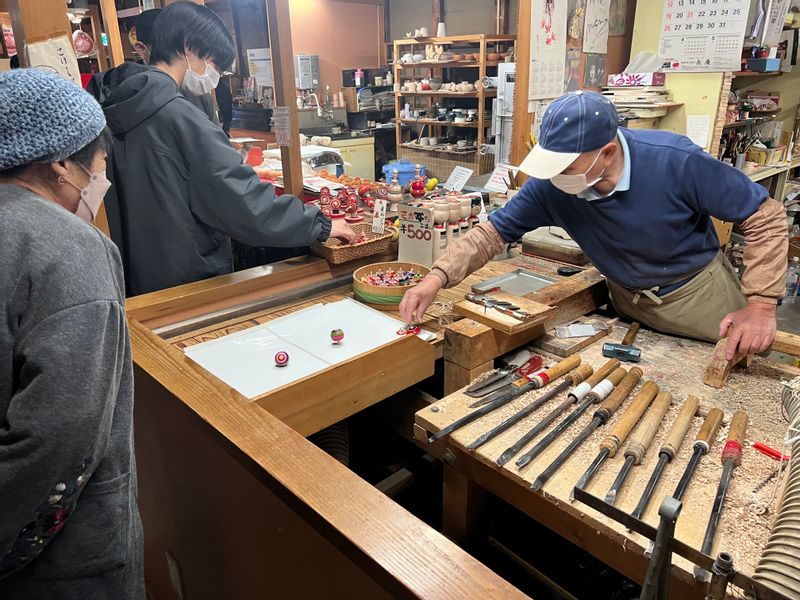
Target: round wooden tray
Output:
[(381, 297)]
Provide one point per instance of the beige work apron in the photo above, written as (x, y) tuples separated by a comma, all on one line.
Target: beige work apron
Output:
[(693, 310)]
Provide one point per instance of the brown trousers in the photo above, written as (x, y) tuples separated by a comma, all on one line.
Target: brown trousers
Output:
[(693, 310)]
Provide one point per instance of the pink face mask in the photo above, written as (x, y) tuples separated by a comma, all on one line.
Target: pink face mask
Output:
[(92, 194)]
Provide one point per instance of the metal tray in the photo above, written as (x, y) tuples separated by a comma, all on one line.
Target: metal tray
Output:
[(518, 283)]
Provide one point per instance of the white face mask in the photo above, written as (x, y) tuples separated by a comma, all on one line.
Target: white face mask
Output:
[(92, 194), (575, 184), (199, 85)]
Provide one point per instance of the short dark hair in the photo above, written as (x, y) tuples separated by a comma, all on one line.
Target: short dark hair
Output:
[(145, 26), (188, 26)]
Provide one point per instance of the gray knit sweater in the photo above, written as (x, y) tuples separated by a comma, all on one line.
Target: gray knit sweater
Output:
[(69, 526)]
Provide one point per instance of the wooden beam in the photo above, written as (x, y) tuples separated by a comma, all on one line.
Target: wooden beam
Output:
[(97, 32), (280, 40), (522, 118), (109, 11), (37, 19)]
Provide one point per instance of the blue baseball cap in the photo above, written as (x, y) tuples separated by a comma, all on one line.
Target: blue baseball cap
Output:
[(576, 122)]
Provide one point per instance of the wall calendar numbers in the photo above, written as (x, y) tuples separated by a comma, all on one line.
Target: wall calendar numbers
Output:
[(703, 35)]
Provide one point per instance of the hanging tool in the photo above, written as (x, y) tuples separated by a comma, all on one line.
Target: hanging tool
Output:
[(628, 382), (583, 390), (625, 351), (702, 443), (612, 442), (539, 380), (731, 458), (638, 446), (657, 580), (668, 451), (505, 375), (572, 378), (601, 417)]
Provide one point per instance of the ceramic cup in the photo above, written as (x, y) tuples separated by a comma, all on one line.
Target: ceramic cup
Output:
[(433, 141), (462, 143), (423, 141), (423, 31), (396, 87)]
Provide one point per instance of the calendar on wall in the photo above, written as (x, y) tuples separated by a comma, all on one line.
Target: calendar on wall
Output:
[(703, 35)]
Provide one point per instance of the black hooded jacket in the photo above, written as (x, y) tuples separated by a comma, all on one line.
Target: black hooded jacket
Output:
[(180, 192)]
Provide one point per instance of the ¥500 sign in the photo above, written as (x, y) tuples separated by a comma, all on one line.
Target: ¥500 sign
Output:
[(416, 235)]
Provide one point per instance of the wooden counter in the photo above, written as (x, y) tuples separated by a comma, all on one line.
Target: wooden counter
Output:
[(240, 501), (676, 365)]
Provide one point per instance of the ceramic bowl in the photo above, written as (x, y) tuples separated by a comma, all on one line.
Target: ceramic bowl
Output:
[(433, 141), (460, 120), (462, 143), (435, 85), (458, 57), (418, 58), (423, 141), (407, 58)]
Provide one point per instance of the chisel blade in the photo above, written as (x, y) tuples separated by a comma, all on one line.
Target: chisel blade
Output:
[(611, 496)]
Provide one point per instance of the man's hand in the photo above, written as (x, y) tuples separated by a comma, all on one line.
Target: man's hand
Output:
[(342, 231), (417, 300), (753, 329)]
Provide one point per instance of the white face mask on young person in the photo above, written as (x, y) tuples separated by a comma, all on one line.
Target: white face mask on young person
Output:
[(200, 85), (576, 183), (92, 194)]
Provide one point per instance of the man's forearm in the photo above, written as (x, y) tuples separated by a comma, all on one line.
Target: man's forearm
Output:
[(469, 254), (765, 253)]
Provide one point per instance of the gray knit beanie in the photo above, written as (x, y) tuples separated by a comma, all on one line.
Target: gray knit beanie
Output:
[(44, 118)]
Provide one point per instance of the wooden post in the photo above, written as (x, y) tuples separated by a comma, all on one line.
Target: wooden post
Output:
[(438, 15), (502, 17), (280, 41), (111, 23), (522, 118), (37, 19), (463, 507), (97, 32)]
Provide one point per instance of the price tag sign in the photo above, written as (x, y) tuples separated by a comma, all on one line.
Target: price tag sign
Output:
[(379, 216), (499, 178), (281, 125), (416, 235), (458, 179)]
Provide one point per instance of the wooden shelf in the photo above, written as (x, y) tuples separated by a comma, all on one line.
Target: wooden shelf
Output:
[(750, 121), (448, 63), (756, 73), (768, 171), (486, 94), (434, 149), (472, 124), (454, 39)]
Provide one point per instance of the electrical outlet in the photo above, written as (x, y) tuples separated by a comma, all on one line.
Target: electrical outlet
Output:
[(175, 575)]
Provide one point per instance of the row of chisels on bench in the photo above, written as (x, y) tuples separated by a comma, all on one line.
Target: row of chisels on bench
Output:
[(604, 391)]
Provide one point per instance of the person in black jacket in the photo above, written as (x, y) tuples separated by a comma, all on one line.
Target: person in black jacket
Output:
[(180, 192)]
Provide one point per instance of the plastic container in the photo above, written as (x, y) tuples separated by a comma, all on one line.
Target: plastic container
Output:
[(405, 171)]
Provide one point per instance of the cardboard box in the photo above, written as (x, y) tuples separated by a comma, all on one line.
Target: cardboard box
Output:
[(636, 79)]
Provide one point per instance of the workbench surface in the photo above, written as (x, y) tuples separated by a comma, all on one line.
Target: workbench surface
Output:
[(676, 365)]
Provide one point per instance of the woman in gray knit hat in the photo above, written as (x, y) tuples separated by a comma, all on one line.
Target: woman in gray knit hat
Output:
[(70, 528)]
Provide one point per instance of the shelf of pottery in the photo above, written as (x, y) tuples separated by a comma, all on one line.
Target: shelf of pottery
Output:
[(444, 88)]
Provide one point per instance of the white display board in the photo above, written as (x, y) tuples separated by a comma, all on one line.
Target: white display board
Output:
[(259, 64), (416, 235), (703, 35), (548, 48), (245, 360), (54, 55)]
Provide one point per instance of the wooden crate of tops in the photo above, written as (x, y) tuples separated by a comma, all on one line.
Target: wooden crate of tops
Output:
[(208, 454), (676, 366)]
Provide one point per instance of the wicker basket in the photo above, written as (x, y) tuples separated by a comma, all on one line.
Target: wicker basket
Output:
[(381, 297), (337, 253)]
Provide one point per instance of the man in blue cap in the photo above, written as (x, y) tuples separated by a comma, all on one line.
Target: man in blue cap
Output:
[(639, 203)]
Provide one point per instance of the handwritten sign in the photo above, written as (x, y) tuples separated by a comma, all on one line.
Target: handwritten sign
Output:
[(703, 35), (55, 55), (595, 32), (499, 178), (416, 235), (281, 125), (379, 216), (458, 179), (774, 27)]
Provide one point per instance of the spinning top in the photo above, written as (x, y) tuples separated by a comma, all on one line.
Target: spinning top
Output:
[(337, 335), (409, 329), (281, 359)]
